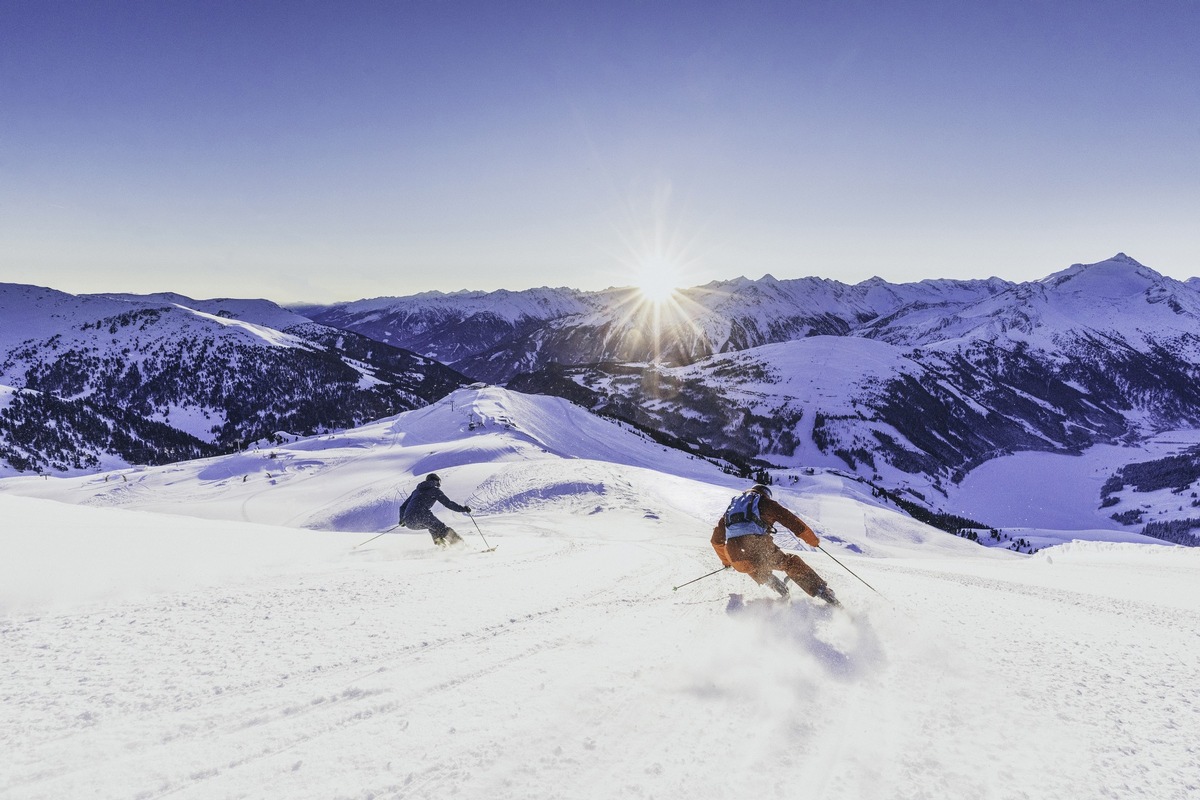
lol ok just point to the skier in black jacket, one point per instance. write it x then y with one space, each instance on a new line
416 512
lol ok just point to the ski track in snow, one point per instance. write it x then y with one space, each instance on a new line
563 668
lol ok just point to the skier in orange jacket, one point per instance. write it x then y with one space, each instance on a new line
743 541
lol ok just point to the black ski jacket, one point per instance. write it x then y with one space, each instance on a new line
422 499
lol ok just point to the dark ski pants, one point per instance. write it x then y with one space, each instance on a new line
758 556
443 535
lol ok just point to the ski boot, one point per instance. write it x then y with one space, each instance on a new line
826 594
449 538
779 586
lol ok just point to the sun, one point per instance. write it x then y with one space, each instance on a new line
656 311
657 281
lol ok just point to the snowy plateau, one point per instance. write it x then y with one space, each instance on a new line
202 593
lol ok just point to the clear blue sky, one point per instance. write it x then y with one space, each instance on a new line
329 151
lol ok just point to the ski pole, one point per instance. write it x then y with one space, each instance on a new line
702 577
481 536
843 566
376 536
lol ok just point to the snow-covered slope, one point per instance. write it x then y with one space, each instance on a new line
455 326
262 313
483 442
884 411
1117 299
206 654
106 380
951 378
33 312
503 453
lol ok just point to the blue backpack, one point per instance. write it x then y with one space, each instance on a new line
742 519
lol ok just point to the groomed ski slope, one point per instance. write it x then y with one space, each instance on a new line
225 651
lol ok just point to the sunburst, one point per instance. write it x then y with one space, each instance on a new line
656 307
657 280
657 262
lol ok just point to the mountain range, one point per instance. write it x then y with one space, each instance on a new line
99 381
909 386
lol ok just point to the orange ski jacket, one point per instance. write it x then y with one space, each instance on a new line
771 513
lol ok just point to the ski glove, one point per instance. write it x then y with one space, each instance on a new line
466 509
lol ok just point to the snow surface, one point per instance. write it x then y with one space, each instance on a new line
231 650
1051 490
818 375
34 312
268 336
1116 297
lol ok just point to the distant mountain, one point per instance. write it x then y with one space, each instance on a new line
453 327
102 380
1114 298
922 394
495 336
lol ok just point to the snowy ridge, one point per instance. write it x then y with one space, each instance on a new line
450 327
270 336
108 380
485 433
1118 296
511 306
259 312
493 336
34 312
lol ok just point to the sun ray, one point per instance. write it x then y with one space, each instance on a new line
657 279
657 262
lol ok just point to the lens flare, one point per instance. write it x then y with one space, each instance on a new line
653 305
657 280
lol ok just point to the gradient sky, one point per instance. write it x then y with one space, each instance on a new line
337 150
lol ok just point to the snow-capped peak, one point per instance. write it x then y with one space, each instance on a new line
1116 277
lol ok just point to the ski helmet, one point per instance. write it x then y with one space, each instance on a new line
761 489
433 478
